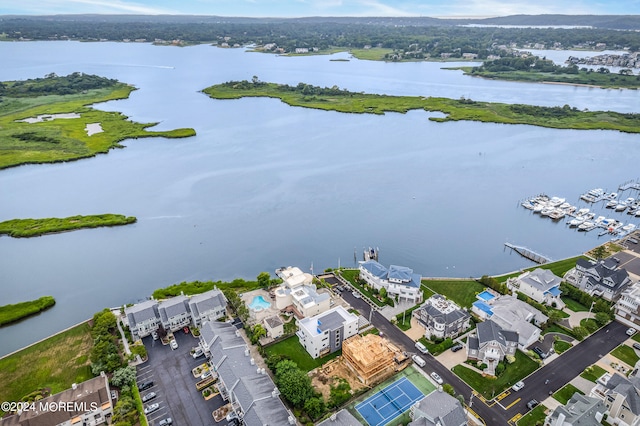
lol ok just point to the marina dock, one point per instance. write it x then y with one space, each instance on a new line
529 254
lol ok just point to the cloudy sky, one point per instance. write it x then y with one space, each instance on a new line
295 8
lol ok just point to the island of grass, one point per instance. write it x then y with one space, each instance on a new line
533 69
12 313
48 120
23 228
336 99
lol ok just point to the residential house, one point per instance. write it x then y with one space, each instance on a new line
603 278
253 396
491 344
512 314
627 308
442 318
274 326
541 285
143 318
297 290
88 403
579 410
438 409
396 280
174 313
324 333
621 396
208 306
341 418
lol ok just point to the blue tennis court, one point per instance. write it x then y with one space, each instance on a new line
389 402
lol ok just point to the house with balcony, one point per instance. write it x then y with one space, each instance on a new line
88 404
207 306
398 281
442 318
298 291
621 397
324 333
174 313
253 396
437 409
603 279
579 410
491 344
627 308
143 318
541 285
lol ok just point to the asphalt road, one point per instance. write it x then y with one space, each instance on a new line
559 372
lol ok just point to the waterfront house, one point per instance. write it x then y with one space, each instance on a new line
442 318
88 403
490 344
299 292
621 397
603 278
143 318
324 333
437 409
174 313
396 280
207 306
627 308
579 410
541 285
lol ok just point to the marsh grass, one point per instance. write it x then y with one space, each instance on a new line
22 228
18 311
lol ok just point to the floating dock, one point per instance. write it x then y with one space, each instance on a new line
629 185
529 254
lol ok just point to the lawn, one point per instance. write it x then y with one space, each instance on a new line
561 346
55 363
18 311
636 337
463 292
534 417
555 328
350 275
293 350
564 394
626 354
592 373
559 268
522 367
574 305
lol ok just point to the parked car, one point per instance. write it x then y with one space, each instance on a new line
165 422
148 397
186 330
517 386
532 404
435 376
540 352
151 408
145 385
356 294
197 353
154 334
456 347
205 375
631 331
636 346
174 344
422 348
419 360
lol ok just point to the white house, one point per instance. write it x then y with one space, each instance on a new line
541 285
207 306
603 278
174 313
627 308
396 280
274 326
324 333
298 290
442 318
143 318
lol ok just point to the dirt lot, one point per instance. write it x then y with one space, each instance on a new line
323 377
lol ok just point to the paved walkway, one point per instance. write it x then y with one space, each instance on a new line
391 311
576 317
125 342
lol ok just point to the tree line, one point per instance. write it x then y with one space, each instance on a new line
52 84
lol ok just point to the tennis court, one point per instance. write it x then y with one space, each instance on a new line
389 402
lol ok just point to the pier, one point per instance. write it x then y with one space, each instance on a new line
629 185
529 254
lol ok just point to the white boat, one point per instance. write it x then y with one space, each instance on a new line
582 212
576 221
611 196
538 207
629 227
611 204
528 205
556 201
621 207
564 206
590 215
571 209
599 220
629 200
547 211
593 195
586 226
557 214
637 213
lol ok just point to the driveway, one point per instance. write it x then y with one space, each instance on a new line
174 383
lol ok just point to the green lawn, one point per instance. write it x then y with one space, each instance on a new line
18 311
563 395
555 328
626 354
292 348
463 292
561 346
636 337
534 417
351 275
24 228
593 372
574 305
559 268
489 388
54 363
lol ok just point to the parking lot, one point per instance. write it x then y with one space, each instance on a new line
174 384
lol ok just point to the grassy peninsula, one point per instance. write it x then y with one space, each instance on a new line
18 311
23 228
53 139
335 99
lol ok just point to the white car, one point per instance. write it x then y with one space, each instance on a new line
151 408
435 376
197 353
205 375
356 294
517 386
174 344
148 396
419 360
631 331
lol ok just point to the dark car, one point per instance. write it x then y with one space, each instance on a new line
456 347
636 346
540 352
145 385
532 404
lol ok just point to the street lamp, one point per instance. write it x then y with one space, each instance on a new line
590 308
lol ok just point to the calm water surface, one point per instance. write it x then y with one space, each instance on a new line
264 185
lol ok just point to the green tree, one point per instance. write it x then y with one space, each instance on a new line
295 386
264 279
580 332
339 394
315 407
601 318
554 317
599 252
123 376
448 389
383 293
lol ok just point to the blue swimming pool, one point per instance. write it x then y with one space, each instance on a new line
486 296
258 303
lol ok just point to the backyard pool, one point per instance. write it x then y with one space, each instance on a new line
258 304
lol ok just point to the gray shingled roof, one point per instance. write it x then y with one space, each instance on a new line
448 317
207 301
331 321
141 312
441 409
342 418
172 307
488 331
628 388
541 279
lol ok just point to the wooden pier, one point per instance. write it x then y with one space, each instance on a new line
529 254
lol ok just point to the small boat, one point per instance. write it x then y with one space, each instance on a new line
539 207
582 212
611 204
637 214
621 207
590 215
571 209
611 196
599 220
528 205
586 226
557 214
593 195
576 221
547 211
564 206
556 201
629 227
629 200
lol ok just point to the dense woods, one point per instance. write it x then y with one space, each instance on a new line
52 84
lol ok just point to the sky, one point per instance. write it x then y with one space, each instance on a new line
299 8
